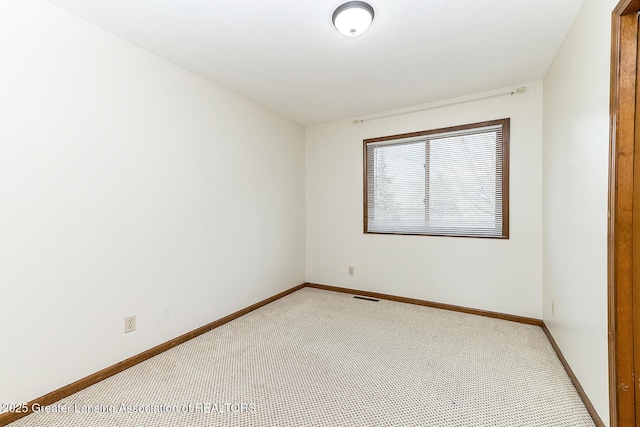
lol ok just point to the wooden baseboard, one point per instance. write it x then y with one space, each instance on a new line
585 399
485 313
68 390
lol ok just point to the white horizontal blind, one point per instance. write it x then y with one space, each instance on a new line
447 183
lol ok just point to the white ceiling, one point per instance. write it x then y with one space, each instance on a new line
287 56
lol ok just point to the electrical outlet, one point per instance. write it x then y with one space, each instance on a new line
553 308
129 324
351 271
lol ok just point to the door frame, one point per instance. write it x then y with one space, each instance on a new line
623 236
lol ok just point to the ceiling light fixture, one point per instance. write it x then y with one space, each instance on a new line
353 18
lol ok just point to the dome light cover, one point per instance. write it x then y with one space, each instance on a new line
353 18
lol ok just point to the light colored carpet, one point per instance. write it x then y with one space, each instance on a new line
320 358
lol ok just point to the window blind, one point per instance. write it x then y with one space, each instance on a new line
448 182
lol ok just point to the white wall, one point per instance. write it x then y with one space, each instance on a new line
128 186
499 275
576 160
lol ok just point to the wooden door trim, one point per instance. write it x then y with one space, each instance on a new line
623 104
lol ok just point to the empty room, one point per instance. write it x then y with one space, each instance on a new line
305 213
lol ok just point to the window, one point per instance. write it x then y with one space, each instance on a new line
441 182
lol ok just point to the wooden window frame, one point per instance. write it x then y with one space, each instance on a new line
505 123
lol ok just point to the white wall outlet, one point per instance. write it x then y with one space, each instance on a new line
351 269
129 324
553 308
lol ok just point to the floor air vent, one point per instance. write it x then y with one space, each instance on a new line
366 298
